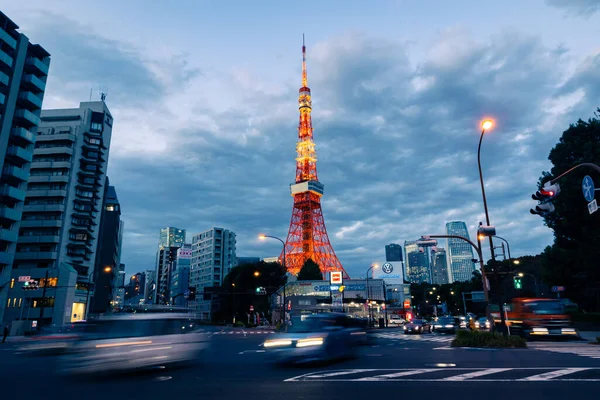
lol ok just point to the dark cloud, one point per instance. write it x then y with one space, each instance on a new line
584 8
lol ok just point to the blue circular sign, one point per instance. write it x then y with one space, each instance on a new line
587 185
387 268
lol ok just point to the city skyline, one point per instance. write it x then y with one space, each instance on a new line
371 82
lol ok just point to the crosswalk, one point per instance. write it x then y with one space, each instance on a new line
262 332
579 349
420 338
454 375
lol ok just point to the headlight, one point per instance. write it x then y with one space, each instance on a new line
309 342
277 343
437 326
449 326
476 324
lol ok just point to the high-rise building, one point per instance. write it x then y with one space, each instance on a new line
439 267
460 253
180 276
165 262
171 237
213 256
119 288
417 262
58 237
108 256
136 288
149 288
393 252
23 73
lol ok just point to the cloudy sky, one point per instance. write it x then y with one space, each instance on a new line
204 98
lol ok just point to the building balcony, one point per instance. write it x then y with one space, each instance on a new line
49 178
9 235
30 99
9 40
44 208
39 239
6 59
41 223
44 151
59 136
36 65
50 164
36 255
2 99
12 192
33 82
19 155
6 258
3 79
47 193
15 172
10 213
23 135
27 117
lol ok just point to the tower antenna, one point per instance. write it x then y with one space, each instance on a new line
103 93
304 75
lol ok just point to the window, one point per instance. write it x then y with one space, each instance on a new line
96 127
12 283
84 193
94 141
110 207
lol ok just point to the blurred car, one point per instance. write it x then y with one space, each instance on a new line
396 320
316 337
482 324
417 326
130 342
52 340
447 325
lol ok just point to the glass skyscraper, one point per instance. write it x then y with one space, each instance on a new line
460 253
171 237
417 263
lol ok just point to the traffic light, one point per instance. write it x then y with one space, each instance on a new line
192 295
545 196
257 290
518 282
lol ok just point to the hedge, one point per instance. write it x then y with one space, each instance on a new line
487 339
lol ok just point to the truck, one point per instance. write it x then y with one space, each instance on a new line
536 317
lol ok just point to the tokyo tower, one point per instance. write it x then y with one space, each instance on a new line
307 237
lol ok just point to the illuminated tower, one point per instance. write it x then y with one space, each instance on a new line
307 237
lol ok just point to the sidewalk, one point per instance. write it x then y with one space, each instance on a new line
589 335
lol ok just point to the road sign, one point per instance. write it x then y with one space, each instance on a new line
588 188
336 278
24 278
558 288
592 206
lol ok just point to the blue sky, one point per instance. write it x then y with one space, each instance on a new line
204 98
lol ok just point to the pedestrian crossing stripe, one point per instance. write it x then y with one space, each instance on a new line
420 338
533 374
579 350
242 332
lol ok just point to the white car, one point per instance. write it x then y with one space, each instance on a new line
396 320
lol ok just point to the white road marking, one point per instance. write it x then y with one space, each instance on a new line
338 373
396 375
553 374
476 374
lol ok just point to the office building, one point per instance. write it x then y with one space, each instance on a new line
171 237
417 262
58 237
393 252
439 267
23 73
165 260
180 276
135 289
149 287
460 253
213 256
118 299
108 255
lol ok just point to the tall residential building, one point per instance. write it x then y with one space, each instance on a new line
165 262
108 256
460 253
439 267
23 73
171 237
59 232
180 276
213 256
393 252
149 288
417 262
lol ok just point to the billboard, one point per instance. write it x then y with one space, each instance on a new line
184 253
390 271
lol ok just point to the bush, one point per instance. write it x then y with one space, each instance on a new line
487 339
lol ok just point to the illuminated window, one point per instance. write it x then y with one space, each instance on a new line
110 208
20 300
12 283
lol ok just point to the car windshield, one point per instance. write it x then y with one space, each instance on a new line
446 321
417 321
546 307
315 324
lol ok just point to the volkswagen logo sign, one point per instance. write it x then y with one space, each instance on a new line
387 268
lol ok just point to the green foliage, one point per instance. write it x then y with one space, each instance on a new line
572 260
487 339
310 271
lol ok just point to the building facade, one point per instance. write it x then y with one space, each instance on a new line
180 276
23 72
213 256
58 237
165 263
439 267
393 252
459 253
417 263
171 237
108 256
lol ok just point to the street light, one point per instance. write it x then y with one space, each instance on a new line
283 306
233 302
107 269
485 126
256 274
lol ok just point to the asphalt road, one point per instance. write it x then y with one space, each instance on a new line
392 366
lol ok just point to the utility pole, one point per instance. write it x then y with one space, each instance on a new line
43 300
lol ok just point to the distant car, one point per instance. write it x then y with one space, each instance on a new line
447 325
482 324
396 320
316 337
417 326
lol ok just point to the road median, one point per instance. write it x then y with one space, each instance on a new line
487 339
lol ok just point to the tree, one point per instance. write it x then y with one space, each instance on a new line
572 260
310 271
